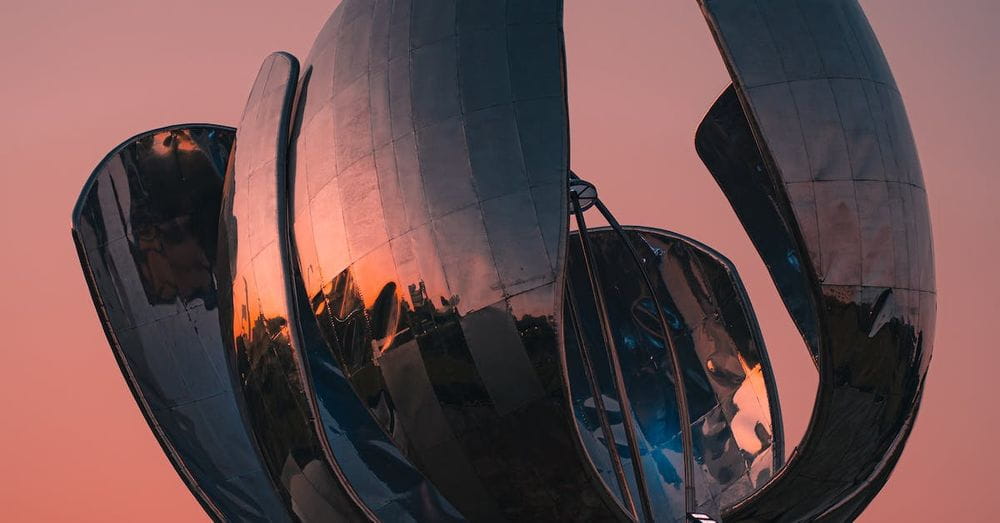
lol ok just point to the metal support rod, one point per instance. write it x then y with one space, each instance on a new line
684 415
602 314
602 414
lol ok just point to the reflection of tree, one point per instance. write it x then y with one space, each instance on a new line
538 334
172 263
267 370
424 315
357 336
174 197
274 395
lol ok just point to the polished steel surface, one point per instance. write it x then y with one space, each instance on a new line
254 306
324 448
145 228
816 121
727 376
429 217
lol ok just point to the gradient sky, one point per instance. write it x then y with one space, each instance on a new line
79 77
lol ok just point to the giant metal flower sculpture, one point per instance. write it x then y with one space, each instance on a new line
366 303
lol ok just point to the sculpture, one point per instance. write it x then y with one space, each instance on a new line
365 303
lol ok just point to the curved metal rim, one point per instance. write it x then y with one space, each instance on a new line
89 183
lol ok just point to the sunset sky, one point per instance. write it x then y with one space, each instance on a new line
79 77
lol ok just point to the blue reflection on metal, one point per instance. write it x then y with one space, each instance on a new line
793 260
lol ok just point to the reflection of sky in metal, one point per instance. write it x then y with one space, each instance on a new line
728 400
427 227
427 172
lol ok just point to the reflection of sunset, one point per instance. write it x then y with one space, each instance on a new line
369 287
245 310
750 413
167 142
320 307
271 291
373 272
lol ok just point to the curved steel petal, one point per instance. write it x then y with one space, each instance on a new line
730 387
815 129
255 302
429 214
145 228
328 453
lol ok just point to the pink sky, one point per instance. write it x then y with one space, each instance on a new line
78 77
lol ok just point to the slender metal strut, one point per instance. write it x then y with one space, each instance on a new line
602 414
590 264
589 193
687 439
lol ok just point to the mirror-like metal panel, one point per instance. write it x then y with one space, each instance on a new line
429 220
730 387
255 305
145 228
329 455
842 180
727 148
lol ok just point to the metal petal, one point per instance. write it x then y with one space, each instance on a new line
145 228
842 192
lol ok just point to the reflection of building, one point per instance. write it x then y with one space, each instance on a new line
421 318
378 313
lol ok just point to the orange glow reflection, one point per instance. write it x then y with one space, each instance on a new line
167 142
751 424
